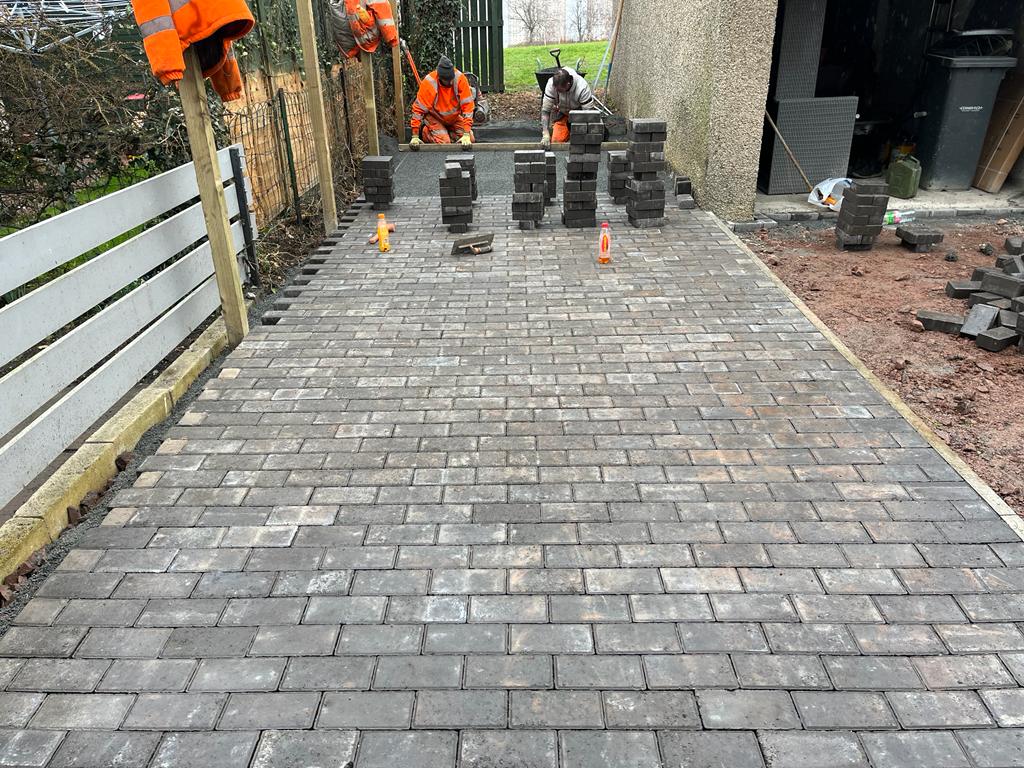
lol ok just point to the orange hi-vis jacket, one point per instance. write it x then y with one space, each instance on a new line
168 27
452 106
359 25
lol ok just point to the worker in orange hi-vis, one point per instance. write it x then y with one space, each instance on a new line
443 110
168 27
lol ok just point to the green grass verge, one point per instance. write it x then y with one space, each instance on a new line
521 62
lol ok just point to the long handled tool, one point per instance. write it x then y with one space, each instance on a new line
810 187
408 57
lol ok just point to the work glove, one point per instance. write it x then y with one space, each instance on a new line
465 140
545 139
415 143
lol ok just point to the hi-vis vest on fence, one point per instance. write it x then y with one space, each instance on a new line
168 27
360 24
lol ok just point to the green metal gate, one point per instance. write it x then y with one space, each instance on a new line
479 43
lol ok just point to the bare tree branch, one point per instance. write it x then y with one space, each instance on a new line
532 14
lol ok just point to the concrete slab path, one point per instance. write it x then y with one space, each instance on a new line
522 510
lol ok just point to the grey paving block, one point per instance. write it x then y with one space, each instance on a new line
461 709
792 749
710 749
894 750
732 710
266 711
521 748
422 749
636 749
994 749
939 709
365 710
27 748
194 750
175 712
83 749
103 711
556 709
305 749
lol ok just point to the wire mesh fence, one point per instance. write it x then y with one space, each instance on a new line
278 139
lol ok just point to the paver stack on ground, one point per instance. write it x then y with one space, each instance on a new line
530 180
378 181
618 175
684 193
645 199
579 197
456 197
862 214
551 178
468 163
919 238
995 302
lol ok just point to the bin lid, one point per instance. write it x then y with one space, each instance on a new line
974 62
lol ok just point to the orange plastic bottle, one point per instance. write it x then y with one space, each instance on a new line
383 242
604 248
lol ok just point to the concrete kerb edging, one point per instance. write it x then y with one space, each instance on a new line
982 488
42 518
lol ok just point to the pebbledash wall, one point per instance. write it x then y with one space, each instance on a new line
703 65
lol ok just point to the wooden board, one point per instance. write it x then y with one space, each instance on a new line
47 309
33 251
45 375
32 449
1005 139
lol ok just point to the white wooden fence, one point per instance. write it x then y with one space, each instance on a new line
52 393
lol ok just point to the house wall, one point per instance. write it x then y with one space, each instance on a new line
704 67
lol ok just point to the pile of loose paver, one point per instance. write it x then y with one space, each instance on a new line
995 301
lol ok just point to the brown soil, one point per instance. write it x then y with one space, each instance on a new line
525 105
973 399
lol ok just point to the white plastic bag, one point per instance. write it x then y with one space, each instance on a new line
829 193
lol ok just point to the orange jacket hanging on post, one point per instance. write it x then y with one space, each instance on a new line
168 27
359 25
452 106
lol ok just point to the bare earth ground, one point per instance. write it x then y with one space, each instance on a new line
972 398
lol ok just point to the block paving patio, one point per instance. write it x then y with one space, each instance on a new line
521 510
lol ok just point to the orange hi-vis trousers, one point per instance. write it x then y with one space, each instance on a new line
560 131
435 131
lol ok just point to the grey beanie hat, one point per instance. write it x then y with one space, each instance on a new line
445 68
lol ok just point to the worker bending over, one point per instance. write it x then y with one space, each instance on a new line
443 110
565 91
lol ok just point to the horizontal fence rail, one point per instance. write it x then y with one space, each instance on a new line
110 320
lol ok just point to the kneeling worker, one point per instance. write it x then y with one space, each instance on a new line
565 91
443 110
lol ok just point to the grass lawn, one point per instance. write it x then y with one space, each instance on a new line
521 62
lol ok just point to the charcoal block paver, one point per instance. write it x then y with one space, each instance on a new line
522 510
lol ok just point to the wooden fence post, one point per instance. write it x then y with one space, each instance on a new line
317 117
370 102
396 73
192 89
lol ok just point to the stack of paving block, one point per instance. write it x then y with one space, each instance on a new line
530 180
468 163
579 196
684 193
995 301
618 175
456 198
645 191
378 181
551 178
862 214
918 237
